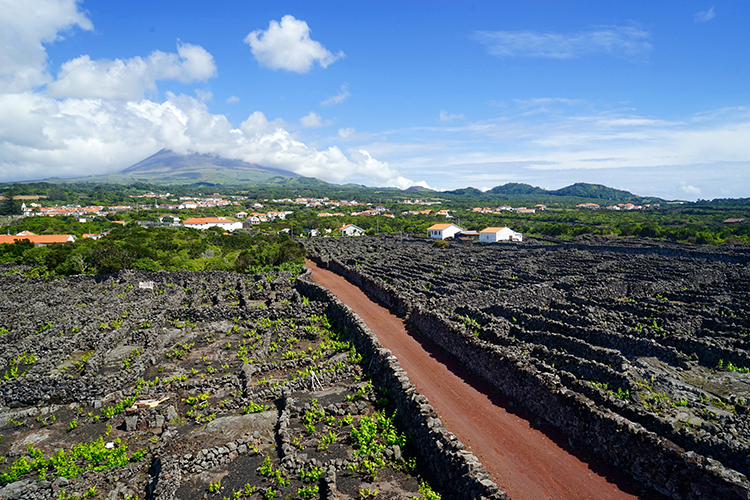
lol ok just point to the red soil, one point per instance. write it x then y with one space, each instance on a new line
527 461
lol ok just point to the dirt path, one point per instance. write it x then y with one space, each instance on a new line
527 462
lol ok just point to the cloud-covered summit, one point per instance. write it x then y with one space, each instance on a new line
102 115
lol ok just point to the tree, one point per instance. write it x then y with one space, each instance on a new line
10 206
57 194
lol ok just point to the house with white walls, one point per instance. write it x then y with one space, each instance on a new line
495 234
443 231
351 230
206 222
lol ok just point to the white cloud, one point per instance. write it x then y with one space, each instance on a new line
704 16
342 96
690 190
346 133
644 154
233 99
287 45
449 117
41 137
617 41
94 118
312 120
204 95
131 79
25 26
546 101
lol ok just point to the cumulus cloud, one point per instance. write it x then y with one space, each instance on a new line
704 16
130 79
688 189
41 136
287 45
24 29
449 117
312 120
346 133
94 118
618 41
233 99
342 96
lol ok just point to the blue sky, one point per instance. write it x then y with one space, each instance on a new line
651 97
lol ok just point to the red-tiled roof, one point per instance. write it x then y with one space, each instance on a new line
38 239
208 220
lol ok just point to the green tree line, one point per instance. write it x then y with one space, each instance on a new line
155 249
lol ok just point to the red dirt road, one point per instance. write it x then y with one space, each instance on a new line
527 463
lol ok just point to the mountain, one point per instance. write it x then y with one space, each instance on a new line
169 168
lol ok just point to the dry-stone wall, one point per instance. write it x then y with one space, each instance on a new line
636 350
456 468
207 385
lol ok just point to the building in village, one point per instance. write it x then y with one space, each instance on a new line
351 230
443 231
495 234
206 222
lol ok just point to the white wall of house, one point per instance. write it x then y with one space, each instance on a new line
352 230
504 234
227 226
448 232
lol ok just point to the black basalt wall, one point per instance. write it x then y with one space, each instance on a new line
652 460
451 465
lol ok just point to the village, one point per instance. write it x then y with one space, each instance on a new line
167 210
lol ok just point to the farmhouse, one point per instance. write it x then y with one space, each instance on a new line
206 222
495 234
443 231
351 230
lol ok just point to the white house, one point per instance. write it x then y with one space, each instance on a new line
495 234
351 230
206 222
169 219
443 231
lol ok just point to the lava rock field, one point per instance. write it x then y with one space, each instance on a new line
188 385
654 333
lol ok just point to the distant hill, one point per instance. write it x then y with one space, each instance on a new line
583 190
576 193
169 168
514 188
